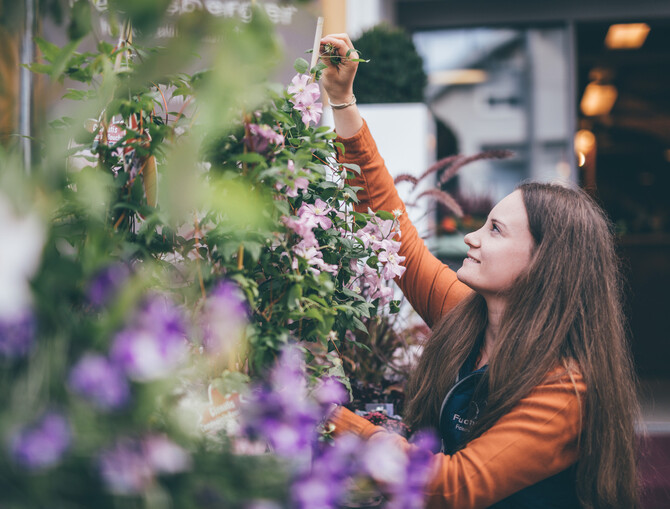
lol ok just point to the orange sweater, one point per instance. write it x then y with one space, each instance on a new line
538 438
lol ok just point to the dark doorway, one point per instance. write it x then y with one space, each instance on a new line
625 162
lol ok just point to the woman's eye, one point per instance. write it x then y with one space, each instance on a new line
494 228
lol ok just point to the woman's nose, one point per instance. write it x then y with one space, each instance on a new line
471 239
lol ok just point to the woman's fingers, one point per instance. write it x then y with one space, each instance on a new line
341 43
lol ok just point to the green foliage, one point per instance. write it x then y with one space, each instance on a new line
162 171
395 73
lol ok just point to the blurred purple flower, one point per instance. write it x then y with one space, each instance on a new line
17 335
324 485
280 410
164 456
154 344
260 137
130 465
409 493
106 283
330 391
42 445
223 318
124 469
100 382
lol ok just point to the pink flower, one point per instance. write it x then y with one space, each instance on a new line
295 183
261 136
314 258
392 267
316 213
384 294
302 90
303 228
310 112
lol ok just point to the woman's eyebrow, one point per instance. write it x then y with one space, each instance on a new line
498 222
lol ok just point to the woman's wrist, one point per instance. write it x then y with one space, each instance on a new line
340 98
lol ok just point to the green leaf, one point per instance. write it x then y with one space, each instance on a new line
386 216
320 66
353 167
48 49
251 157
294 296
372 262
358 324
300 65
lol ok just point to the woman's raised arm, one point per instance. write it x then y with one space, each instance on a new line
429 285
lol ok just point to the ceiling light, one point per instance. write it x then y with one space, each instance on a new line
626 36
585 141
457 77
598 99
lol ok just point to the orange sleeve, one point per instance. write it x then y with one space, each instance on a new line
537 439
429 285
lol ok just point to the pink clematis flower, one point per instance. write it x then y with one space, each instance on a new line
302 227
295 183
261 136
302 90
392 267
317 213
310 112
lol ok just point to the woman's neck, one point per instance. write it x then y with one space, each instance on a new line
495 310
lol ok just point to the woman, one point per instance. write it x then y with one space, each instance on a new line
527 375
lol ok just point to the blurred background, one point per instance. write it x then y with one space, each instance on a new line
577 89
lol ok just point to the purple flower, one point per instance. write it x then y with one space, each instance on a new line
223 318
410 491
316 492
261 136
280 411
17 335
131 465
154 344
100 382
124 469
317 213
42 445
330 391
104 286
164 456
325 484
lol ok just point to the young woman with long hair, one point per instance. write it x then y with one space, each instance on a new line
527 376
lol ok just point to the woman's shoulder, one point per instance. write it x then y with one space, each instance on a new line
565 376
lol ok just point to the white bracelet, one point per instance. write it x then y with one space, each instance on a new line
344 105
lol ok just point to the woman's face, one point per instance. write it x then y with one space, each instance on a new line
500 250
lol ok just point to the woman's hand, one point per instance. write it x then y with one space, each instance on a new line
338 78
338 82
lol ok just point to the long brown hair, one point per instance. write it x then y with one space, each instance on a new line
564 309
